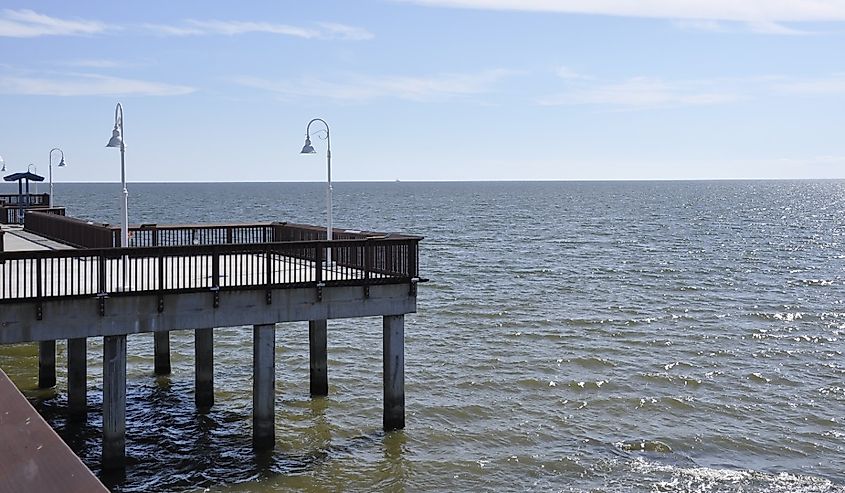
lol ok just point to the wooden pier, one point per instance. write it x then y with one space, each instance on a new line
63 278
34 458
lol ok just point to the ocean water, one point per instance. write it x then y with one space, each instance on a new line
618 336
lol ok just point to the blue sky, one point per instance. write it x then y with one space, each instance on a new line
427 89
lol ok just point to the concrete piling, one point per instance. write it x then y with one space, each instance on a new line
317 344
161 348
77 378
394 372
46 364
204 367
264 386
114 402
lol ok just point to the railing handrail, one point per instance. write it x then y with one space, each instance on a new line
180 250
75 273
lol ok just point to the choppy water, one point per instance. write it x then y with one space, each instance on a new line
679 336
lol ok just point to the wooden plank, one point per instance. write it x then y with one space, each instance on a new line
33 457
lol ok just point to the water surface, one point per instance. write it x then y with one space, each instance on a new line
625 336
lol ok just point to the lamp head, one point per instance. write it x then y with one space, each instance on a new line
116 140
62 163
2 163
308 148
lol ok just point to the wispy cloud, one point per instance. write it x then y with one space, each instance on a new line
757 16
642 92
759 27
360 88
567 73
834 84
25 23
87 85
193 27
727 10
94 63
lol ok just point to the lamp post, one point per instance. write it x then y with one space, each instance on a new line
29 168
117 141
61 165
309 149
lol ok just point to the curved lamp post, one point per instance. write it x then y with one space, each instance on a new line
29 168
117 141
309 149
61 165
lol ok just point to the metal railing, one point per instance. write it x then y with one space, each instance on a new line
42 199
48 274
79 233
197 234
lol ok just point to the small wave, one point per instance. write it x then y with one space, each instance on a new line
591 362
707 479
812 282
644 446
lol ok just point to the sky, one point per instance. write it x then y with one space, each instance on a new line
419 90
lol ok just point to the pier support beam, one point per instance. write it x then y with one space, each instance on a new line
394 372
263 386
77 378
204 366
161 348
114 402
317 343
46 364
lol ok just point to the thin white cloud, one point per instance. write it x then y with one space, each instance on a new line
193 27
725 10
25 23
701 25
94 63
834 84
768 27
343 31
358 88
637 93
642 92
567 73
87 85
759 27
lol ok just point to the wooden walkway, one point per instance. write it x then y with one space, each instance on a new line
32 456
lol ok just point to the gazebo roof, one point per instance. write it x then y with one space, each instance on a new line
23 176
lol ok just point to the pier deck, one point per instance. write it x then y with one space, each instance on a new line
62 278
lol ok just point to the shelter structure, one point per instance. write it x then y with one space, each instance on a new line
14 206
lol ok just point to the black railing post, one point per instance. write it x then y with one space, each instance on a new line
215 269
39 288
318 263
160 271
101 274
368 257
413 258
269 264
